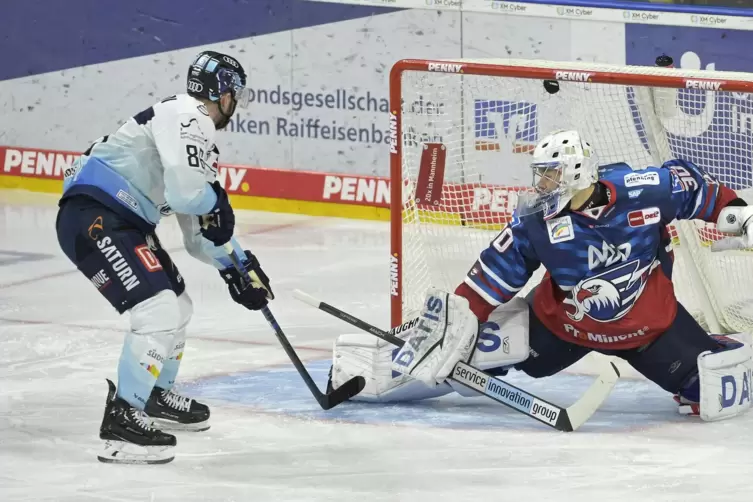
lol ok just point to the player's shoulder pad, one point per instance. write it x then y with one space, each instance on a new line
188 113
191 108
527 227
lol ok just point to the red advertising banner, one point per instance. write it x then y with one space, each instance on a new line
475 202
237 180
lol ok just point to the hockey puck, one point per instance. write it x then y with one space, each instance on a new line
664 61
551 86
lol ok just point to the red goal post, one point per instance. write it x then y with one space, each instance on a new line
455 171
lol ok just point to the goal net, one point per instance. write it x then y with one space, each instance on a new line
462 134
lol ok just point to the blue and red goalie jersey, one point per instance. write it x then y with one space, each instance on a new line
609 269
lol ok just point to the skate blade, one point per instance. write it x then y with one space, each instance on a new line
170 426
689 409
120 452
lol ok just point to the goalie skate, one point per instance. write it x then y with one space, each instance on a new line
129 437
172 412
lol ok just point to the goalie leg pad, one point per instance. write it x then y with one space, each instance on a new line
503 340
445 334
448 332
371 357
725 380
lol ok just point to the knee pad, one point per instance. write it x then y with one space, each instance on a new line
159 315
185 311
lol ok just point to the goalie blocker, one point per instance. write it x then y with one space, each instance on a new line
710 376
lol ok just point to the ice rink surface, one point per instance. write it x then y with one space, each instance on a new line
269 440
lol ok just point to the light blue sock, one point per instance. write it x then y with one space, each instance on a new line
139 367
170 369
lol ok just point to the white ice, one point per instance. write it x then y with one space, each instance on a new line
269 441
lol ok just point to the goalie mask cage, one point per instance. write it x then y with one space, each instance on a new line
461 136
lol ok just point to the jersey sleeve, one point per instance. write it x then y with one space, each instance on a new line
695 194
182 138
202 249
501 271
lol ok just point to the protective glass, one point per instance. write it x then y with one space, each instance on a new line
242 97
232 81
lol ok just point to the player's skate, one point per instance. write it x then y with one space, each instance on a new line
686 406
129 438
171 411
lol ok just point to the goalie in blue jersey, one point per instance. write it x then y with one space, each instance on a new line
601 232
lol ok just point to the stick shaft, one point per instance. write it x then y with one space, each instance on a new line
326 401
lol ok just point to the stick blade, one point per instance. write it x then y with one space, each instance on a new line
306 298
341 394
579 412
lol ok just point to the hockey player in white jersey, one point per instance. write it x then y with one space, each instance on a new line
161 161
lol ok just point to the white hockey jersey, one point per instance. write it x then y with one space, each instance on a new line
159 162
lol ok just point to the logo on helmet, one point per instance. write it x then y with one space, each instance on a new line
232 62
610 295
201 61
195 86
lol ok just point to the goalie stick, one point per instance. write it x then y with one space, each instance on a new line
326 401
563 419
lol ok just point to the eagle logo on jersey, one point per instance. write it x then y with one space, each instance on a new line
609 295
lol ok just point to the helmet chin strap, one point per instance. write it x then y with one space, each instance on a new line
225 117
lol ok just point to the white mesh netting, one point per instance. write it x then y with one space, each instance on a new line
487 125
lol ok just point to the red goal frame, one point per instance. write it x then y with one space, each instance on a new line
565 72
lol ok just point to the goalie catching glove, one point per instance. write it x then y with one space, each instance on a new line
736 220
446 333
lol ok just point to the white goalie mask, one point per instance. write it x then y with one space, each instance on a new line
563 164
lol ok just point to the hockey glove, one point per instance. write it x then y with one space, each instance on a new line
253 296
218 225
737 220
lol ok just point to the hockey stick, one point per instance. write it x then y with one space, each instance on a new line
326 401
563 419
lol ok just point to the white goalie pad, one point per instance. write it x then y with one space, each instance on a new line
371 357
725 381
446 333
502 342
503 338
